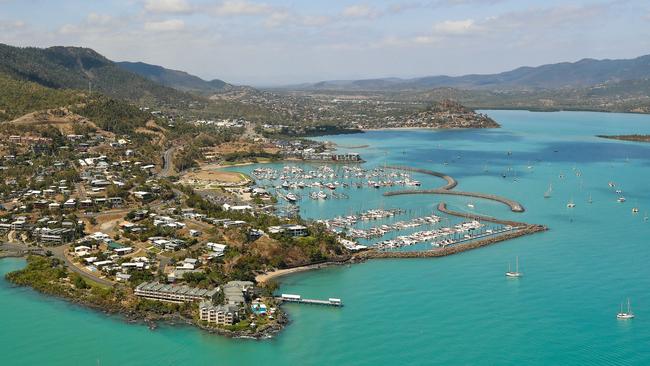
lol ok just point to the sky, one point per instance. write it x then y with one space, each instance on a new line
277 42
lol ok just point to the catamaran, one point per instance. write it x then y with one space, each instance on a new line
516 272
625 315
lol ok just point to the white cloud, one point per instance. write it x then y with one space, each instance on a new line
450 27
98 19
361 11
241 7
168 6
165 25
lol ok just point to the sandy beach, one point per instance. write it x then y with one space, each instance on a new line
265 277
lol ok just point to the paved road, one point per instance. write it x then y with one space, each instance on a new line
59 253
168 162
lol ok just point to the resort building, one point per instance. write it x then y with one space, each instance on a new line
218 314
346 157
55 236
174 293
235 292
292 230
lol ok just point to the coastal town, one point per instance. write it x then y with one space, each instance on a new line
180 230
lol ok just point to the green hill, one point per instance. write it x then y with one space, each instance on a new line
176 79
19 97
79 68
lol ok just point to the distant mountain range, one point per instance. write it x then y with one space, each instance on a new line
584 73
176 79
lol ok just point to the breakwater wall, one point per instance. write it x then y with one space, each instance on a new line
451 182
442 207
447 189
450 250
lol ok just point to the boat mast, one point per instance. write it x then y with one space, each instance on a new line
517 265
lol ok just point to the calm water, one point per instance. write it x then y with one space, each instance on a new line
458 310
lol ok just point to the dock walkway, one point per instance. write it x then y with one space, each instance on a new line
337 303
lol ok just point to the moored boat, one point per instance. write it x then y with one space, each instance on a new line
515 273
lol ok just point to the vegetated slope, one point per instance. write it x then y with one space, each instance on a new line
19 97
176 79
82 68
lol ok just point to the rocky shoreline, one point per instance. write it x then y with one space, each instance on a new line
634 138
131 315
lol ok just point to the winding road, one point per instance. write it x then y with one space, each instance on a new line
168 162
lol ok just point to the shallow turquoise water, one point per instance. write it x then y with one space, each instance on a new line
457 310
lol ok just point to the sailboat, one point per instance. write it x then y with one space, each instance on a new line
516 272
645 217
625 315
590 200
548 192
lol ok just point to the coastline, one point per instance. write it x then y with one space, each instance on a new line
426 128
132 315
267 276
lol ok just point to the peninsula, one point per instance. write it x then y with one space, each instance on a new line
118 198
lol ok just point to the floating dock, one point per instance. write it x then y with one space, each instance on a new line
298 299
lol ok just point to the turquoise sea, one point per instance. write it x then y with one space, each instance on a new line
457 310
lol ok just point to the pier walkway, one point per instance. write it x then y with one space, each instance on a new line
300 300
447 189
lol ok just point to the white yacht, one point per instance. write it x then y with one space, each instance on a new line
621 199
321 195
625 315
516 272
291 197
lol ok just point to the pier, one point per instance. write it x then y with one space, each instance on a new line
298 299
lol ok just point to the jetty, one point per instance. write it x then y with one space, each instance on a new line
299 299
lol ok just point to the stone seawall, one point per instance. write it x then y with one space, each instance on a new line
455 249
